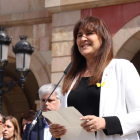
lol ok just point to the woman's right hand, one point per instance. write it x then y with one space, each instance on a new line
56 130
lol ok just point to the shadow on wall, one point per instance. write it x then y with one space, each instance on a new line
17 100
136 61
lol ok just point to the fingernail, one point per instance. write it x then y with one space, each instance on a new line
58 125
63 127
80 118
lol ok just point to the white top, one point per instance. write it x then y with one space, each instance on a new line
120 96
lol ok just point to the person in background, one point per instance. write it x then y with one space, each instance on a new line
26 118
11 129
104 90
54 103
2 121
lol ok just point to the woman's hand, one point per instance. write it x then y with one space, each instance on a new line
56 130
93 123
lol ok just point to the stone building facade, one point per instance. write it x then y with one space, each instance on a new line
49 26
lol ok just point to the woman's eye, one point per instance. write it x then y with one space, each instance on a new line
90 33
79 35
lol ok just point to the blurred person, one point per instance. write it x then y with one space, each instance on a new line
2 121
53 104
26 118
11 129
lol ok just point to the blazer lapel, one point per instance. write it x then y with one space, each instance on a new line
34 133
104 90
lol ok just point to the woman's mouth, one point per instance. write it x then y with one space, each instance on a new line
4 134
87 45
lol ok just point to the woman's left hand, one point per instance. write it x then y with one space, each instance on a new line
93 123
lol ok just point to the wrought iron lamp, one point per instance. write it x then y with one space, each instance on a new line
23 51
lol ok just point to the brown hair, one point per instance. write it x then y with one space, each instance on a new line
16 127
28 115
103 57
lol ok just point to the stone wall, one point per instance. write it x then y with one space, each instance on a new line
20 6
62 40
27 17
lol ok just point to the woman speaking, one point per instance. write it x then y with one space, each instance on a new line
104 90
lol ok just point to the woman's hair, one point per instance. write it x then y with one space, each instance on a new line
29 116
102 58
16 127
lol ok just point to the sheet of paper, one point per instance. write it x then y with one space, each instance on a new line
69 117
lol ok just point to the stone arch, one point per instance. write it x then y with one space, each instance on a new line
127 39
40 68
39 75
13 100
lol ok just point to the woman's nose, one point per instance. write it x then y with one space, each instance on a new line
4 128
84 37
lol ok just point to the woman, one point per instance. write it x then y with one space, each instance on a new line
11 129
26 118
105 90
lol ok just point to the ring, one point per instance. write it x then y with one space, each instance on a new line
54 133
89 127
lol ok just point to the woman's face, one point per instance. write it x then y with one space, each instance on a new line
8 132
88 43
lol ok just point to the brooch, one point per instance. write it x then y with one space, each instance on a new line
101 84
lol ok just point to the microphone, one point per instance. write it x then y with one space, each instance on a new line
33 123
68 68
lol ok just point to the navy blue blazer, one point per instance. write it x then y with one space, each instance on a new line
33 133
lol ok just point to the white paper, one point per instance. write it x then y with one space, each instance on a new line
70 118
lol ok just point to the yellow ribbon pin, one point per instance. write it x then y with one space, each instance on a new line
100 85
